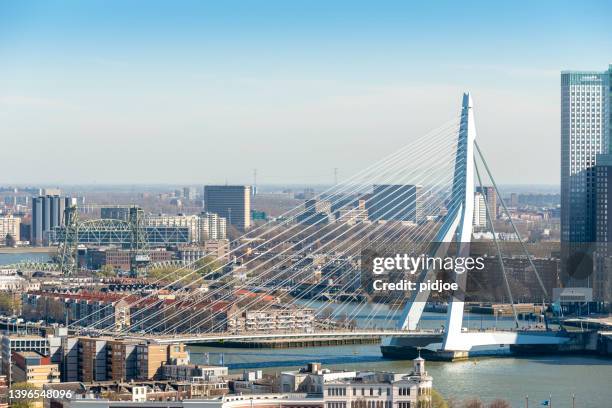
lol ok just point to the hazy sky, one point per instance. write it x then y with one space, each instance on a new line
203 92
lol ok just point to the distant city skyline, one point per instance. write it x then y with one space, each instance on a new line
203 93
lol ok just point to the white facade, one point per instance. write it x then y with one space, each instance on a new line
272 319
212 226
9 225
12 283
381 390
192 222
201 227
480 210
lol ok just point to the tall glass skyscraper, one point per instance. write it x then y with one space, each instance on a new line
585 133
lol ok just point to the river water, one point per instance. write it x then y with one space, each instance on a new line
590 378
12 258
509 378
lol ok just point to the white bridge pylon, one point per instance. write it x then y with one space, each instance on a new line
457 226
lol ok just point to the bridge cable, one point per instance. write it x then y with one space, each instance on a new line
300 270
499 253
501 200
373 167
356 243
260 265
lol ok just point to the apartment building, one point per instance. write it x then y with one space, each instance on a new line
11 283
86 307
108 359
49 346
274 318
218 248
122 359
9 226
152 357
34 368
585 137
93 359
212 226
193 372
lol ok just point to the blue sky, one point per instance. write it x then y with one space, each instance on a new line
171 92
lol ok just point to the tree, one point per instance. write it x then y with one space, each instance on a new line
23 402
9 241
233 233
473 403
206 265
171 274
107 271
7 303
500 403
437 400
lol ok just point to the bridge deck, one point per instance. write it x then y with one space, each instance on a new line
485 336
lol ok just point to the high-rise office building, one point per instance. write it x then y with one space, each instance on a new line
585 133
397 202
602 271
230 202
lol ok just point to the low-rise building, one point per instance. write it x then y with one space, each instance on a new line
193 372
46 346
34 368
311 378
254 382
381 389
121 259
353 215
217 248
152 357
273 318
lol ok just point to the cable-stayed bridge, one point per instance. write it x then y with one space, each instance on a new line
423 197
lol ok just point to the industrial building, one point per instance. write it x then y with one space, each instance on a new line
47 214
